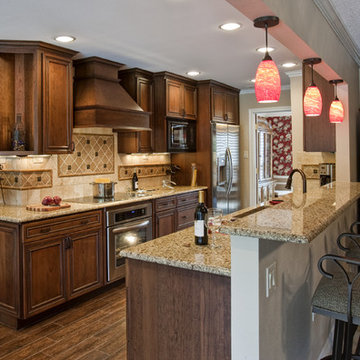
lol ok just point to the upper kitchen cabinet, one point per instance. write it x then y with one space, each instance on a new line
224 102
36 92
139 84
175 96
319 133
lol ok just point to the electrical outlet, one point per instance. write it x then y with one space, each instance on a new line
271 280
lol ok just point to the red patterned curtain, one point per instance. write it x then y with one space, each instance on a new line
282 144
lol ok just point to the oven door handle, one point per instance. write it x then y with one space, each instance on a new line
130 227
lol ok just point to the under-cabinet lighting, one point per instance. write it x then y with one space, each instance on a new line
263 49
231 26
65 38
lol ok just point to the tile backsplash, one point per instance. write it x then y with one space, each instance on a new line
78 184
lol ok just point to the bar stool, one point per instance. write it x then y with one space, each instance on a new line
353 247
338 296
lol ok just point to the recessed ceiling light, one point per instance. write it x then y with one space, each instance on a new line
65 38
263 49
230 26
289 64
253 80
193 73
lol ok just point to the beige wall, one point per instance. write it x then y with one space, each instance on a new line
247 102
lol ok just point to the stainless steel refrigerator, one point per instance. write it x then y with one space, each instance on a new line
225 167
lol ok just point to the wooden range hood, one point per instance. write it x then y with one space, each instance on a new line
100 100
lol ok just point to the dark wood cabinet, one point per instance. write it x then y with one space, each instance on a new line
57 104
37 86
180 100
48 262
174 213
175 97
319 133
45 276
85 266
224 104
138 83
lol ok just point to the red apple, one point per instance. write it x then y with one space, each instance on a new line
47 200
57 200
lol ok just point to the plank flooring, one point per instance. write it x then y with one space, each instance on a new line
92 330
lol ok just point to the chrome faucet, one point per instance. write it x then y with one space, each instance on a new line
289 180
168 183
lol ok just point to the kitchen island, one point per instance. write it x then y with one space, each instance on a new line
286 240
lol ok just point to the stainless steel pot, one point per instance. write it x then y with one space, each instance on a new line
103 190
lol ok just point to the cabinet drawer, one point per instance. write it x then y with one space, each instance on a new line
185 217
165 203
188 199
60 225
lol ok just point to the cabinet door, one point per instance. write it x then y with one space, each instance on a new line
44 271
165 222
217 105
231 108
57 104
185 217
145 101
174 99
190 102
85 262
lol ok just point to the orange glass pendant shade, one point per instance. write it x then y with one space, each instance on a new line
267 82
312 101
336 112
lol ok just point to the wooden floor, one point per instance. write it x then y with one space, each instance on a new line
92 330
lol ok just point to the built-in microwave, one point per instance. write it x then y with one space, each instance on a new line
181 135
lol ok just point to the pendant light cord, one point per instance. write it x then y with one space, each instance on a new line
267 56
312 75
336 98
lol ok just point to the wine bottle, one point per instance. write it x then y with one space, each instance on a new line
135 182
201 235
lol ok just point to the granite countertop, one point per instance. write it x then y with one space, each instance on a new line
19 214
300 217
179 250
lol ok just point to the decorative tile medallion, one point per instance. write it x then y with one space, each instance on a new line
26 179
94 154
311 171
142 171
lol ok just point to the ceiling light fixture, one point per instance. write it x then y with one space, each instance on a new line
289 64
336 112
231 26
312 97
65 38
267 79
263 49
193 73
253 80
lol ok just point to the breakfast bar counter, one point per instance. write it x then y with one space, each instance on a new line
270 314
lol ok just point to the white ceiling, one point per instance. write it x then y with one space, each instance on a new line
156 35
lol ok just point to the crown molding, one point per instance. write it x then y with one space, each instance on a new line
336 24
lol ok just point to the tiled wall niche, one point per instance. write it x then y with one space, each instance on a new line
78 186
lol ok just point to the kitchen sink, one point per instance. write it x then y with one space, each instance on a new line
250 212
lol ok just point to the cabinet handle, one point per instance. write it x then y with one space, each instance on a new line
226 116
184 217
68 243
84 222
72 146
45 230
183 112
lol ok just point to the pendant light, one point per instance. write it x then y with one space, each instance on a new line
267 79
312 97
336 112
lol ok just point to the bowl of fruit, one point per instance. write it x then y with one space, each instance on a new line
51 201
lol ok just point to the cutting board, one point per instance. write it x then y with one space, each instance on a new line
40 207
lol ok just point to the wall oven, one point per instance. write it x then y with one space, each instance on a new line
181 135
126 226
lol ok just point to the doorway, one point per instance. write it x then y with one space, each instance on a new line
270 152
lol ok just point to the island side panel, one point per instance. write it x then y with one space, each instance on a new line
174 313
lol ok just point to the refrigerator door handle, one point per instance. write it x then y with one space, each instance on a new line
231 170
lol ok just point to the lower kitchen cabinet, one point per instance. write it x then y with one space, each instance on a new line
49 262
174 213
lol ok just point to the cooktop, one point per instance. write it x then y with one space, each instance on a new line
117 197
